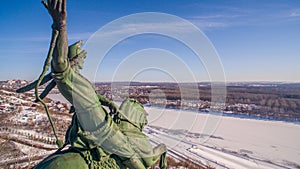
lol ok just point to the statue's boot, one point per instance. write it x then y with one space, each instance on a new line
151 158
159 149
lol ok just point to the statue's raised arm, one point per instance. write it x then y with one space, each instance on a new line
58 11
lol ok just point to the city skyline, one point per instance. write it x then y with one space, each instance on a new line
256 41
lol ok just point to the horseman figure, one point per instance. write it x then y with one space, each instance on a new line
97 138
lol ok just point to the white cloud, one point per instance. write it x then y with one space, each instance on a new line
80 36
295 13
205 25
216 16
26 39
129 29
47 38
218 20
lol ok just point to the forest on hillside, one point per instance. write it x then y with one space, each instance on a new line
277 100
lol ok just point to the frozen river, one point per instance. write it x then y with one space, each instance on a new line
234 142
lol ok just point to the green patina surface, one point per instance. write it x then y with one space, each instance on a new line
98 139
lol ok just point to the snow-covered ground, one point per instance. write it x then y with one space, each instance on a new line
234 142
57 97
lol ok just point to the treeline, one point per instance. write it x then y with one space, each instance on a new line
270 98
278 99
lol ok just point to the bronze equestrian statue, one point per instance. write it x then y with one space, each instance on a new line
97 138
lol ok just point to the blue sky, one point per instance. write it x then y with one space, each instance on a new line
255 40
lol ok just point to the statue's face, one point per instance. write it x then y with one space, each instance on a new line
78 61
81 62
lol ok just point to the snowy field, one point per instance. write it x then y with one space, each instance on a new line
234 142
